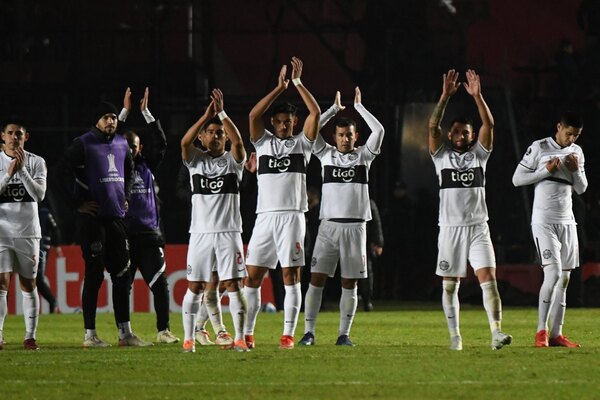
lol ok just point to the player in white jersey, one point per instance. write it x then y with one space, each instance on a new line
345 209
215 230
555 166
278 233
22 186
464 234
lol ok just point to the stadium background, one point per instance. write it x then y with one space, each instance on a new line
59 58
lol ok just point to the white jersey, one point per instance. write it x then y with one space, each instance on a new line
345 191
282 172
19 197
461 177
215 192
552 202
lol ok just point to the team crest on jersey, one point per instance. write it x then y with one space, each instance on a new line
289 143
222 162
469 157
444 265
547 254
352 156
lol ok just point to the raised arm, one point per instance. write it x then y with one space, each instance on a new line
311 123
449 87
332 111
257 125
155 153
187 143
486 132
233 134
375 139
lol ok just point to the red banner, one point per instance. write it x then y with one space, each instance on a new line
65 277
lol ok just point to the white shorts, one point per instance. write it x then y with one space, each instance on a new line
20 255
222 252
277 236
343 242
556 244
458 245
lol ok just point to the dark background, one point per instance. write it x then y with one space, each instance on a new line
59 58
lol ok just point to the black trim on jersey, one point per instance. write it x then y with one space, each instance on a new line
559 180
227 183
356 174
531 169
273 165
16 193
470 178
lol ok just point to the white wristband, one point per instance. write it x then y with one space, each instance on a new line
148 116
296 81
222 115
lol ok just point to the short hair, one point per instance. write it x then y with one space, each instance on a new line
130 136
343 122
215 120
571 118
284 108
462 120
13 121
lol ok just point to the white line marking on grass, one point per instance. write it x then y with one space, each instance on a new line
336 383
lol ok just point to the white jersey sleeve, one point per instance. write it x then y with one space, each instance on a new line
20 195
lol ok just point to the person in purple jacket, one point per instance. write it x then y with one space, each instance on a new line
146 242
95 176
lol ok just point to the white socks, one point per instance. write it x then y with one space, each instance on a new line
3 310
237 307
348 303
189 309
31 311
312 305
124 329
213 306
559 304
551 276
492 304
201 317
291 308
253 299
451 305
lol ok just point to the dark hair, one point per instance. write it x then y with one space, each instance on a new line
462 120
571 118
13 121
284 108
343 122
130 135
215 120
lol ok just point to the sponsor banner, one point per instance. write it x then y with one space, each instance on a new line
65 277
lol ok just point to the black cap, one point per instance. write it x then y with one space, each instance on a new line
104 108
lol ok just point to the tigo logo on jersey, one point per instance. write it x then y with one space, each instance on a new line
214 186
466 178
280 164
347 175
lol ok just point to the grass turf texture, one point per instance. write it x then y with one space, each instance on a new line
401 353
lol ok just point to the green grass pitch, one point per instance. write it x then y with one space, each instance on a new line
401 353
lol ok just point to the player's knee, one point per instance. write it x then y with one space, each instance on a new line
564 279
552 274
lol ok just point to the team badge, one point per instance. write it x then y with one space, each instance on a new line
313 262
352 156
222 162
547 254
289 143
189 269
443 265
469 157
